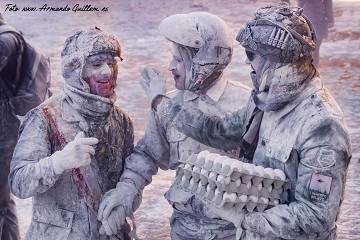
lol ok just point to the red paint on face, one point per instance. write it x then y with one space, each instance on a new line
99 72
99 85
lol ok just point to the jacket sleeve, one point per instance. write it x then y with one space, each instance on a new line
325 152
31 170
151 152
222 132
129 136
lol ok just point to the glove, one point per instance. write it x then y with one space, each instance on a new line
115 206
75 154
153 83
231 214
114 222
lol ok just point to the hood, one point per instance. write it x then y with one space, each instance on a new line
79 47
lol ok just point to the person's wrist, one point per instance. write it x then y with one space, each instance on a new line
157 100
58 169
130 181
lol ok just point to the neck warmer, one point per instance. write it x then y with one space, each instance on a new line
90 106
276 85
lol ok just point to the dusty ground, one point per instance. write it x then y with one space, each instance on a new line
135 23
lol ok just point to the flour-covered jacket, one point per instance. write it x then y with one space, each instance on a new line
162 146
307 139
59 211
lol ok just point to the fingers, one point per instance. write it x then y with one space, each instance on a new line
107 228
79 135
144 73
85 160
151 73
112 224
106 206
107 210
86 141
87 149
80 138
116 219
158 73
144 83
102 230
102 206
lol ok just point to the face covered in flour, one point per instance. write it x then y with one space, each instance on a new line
99 72
279 42
177 68
201 49
89 62
253 59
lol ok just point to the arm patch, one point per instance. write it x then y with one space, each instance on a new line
319 188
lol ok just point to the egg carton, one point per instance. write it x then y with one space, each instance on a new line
220 171
222 181
223 199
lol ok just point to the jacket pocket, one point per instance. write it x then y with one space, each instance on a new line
50 223
175 138
285 158
278 151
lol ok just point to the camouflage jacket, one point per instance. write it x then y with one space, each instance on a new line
162 146
59 211
307 139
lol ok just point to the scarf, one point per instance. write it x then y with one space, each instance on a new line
276 85
90 106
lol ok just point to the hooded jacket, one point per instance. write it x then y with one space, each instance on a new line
59 210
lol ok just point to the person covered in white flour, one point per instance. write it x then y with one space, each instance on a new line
201 47
291 123
72 147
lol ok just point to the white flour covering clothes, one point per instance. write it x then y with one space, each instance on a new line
307 139
205 46
291 123
162 146
59 210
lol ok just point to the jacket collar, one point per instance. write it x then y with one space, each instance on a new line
313 87
214 92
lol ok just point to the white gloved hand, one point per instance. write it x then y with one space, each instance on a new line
153 83
115 206
114 222
231 215
75 154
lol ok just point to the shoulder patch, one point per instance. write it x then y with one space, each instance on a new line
326 158
319 188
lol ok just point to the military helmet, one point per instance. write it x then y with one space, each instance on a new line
279 33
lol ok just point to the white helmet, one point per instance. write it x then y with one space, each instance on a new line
210 41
